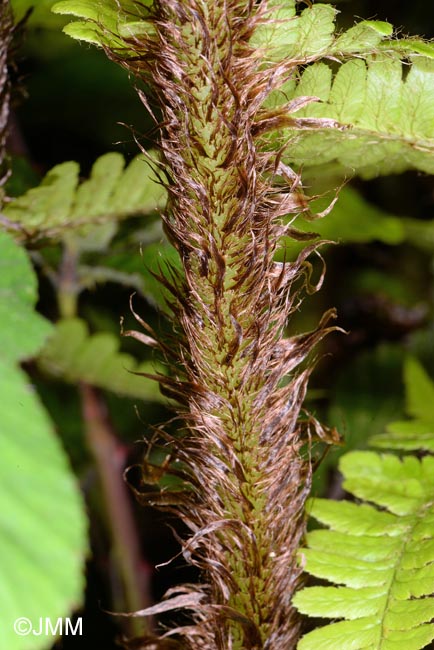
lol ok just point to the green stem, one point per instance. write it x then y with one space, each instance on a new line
68 286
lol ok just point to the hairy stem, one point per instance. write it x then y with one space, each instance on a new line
245 452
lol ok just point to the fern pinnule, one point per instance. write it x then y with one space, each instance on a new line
380 554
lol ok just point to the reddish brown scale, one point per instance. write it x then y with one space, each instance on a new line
247 471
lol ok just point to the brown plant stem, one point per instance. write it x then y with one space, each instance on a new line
109 456
245 449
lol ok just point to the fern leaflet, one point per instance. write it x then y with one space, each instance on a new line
380 554
103 24
417 433
373 115
61 204
385 121
73 355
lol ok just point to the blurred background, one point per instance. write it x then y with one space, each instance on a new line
71 104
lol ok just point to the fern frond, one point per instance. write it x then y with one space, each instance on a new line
311 34
60 204
417 433
72 354
373 115
103 24
379 99
384 111
379 553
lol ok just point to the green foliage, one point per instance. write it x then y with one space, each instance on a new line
74 356
23 331
60 204
382 552
375 110
363 400
383 119
42 520
372 115
312 34
417 433
352 219
104 25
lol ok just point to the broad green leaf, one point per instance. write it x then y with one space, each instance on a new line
382 552
418 433
60 205
22 330
74 356
42 517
